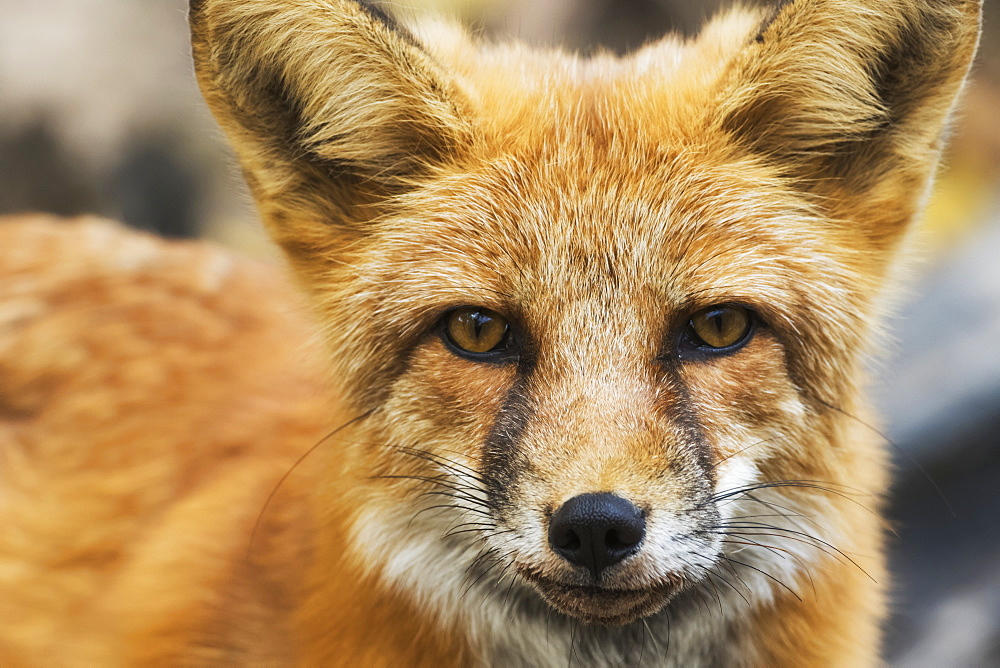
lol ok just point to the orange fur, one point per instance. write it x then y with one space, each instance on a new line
181 483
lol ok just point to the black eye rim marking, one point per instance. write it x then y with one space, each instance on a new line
691 347
505 352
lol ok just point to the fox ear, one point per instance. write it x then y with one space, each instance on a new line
332 108
850 97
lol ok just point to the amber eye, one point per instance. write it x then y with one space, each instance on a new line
476 330
720 326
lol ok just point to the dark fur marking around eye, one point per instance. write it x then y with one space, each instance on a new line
679 411
502 460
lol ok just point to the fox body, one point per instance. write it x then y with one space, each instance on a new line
581 375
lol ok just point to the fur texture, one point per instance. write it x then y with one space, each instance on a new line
177 474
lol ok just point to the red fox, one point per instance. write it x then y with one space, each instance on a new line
577 377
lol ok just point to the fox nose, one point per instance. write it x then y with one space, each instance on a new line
596 531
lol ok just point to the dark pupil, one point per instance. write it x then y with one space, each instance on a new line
717 320
479 320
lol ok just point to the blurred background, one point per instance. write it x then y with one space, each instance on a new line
99 113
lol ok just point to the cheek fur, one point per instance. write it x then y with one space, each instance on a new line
740 397
458 399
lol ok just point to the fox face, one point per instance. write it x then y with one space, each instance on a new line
597 387
599 321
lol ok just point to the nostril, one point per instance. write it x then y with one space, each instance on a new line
566 540
596 531
612 541
622 540
629 531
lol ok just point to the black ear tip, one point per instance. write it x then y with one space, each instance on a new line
773 12
386 19
377 13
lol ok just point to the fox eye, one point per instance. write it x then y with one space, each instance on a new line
475 330
720 327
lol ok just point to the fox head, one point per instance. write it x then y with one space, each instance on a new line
602 318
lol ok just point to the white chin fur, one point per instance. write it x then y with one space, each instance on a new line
408 550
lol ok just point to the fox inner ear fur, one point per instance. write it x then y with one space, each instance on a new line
330 105
838 94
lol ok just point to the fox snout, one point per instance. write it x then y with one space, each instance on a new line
596 531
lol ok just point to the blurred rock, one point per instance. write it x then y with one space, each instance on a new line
946 376
941 400
39 173
157 188
101 114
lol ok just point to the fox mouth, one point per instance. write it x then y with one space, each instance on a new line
603 605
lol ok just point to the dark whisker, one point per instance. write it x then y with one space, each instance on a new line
789 512
455 467
765 574
729 584
476 528
460 496
699 589
790 534
895 447
716 593
781 552
490 553
485 572
818 485
281 481
443 481
458 502
736 575
741 450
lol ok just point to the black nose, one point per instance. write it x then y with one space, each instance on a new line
596 531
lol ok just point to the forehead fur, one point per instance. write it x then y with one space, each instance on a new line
522 96
551 226
587 169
